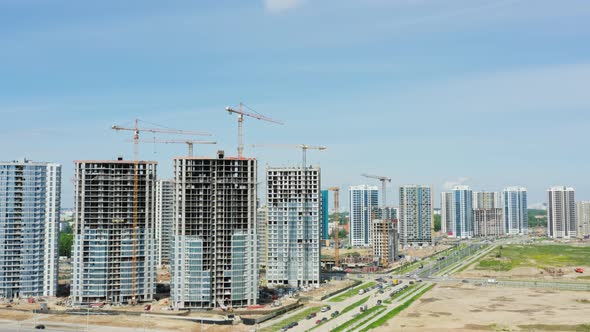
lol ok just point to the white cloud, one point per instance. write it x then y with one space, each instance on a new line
448 185
279 6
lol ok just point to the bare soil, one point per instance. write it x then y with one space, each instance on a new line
464 307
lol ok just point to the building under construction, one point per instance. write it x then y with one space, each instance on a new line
114 250
293 202
214 233
164 220
262 236
385 240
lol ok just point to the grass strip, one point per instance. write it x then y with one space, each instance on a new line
354 305
396 310
352 292
358 318
295 318
388 301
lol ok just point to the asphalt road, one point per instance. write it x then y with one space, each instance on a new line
29 325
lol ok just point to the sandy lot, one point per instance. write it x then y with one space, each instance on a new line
147 322
564 274
470 308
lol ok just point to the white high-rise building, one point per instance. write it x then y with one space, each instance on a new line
514 205
164 220
30 195
214 235
583 218
294 226
446 209
362 200
415 219
561 212
486 200
461 212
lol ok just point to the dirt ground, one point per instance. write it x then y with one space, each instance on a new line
147 322
529 273
330 287
424 251
471 308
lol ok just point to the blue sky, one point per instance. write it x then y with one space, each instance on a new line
489 93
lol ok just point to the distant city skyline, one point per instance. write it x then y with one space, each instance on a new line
469 92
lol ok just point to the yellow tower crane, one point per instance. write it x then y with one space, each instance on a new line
189 143
136 130
240 112
384 180
336 230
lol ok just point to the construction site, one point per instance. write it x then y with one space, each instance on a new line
114 260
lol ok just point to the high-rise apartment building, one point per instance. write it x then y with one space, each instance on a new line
415 217
583 218
114 229
461 212
293 200
385 239
514 205
561 212
164 220
215 260
325 217
362 200
486 200
446 209
488 222
30 195
262 236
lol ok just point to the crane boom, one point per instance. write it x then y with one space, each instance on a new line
189 143
136 130
241 115
384 180
303 147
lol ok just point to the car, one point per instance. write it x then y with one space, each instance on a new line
310 316
284 328
326 308
335 313
465 281
407 275
319 321
380 291
378 302
324 319
292 325
40 327
411 282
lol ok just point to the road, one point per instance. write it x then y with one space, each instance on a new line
332 323
29 325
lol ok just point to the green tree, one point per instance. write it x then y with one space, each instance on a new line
66 240
437 222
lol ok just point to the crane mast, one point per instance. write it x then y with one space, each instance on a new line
384 180
189 143
336 191
241 113
136 130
